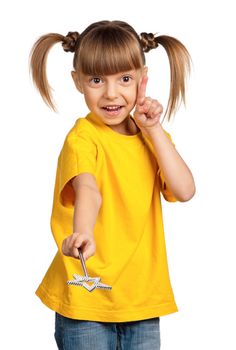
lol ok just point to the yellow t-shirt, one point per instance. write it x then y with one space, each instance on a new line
130 246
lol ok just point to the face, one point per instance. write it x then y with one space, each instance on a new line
110 97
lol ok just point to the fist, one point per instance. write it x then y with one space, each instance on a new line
82 241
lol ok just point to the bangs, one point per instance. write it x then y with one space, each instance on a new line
108 52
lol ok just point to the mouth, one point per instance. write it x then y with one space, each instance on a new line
112 110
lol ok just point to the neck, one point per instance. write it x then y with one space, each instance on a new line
127 127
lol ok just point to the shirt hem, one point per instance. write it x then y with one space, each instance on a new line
99 315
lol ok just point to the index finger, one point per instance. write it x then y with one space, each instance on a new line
142 90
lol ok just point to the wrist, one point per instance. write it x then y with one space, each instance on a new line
154 130
84 232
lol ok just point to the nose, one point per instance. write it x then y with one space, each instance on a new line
111 91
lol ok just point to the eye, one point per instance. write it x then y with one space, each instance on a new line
126 78
95 80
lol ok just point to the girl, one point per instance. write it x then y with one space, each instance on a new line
111 170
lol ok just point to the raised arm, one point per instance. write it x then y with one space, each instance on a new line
177 175
87 204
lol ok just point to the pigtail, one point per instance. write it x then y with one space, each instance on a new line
38 61
179 60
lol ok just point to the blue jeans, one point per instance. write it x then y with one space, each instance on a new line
87 335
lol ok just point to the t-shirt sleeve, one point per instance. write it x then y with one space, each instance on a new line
166 192
78 155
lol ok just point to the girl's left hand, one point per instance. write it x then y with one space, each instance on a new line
148 111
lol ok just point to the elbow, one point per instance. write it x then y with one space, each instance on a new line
187 193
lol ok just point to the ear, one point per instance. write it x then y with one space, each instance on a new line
145 70
75 77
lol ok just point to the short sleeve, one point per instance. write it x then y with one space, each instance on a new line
78 155
167 194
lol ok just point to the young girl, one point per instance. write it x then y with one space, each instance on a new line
111 170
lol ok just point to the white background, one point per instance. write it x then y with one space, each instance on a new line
199 234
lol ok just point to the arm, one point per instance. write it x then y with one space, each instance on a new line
87 204
177 175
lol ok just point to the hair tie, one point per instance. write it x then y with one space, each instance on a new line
148 41
69 42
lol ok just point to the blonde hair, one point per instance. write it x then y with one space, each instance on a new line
110 47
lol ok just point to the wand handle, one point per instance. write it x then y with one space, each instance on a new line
83 263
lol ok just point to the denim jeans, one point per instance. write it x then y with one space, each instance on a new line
88 335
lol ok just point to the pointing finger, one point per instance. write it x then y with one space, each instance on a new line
142 90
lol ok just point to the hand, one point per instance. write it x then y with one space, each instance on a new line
82 241
148 111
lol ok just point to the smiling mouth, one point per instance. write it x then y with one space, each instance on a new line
112 108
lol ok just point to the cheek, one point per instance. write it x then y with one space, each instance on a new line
90 97
134 94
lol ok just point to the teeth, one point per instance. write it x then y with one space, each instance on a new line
112 108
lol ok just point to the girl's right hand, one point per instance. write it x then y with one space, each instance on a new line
84 242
